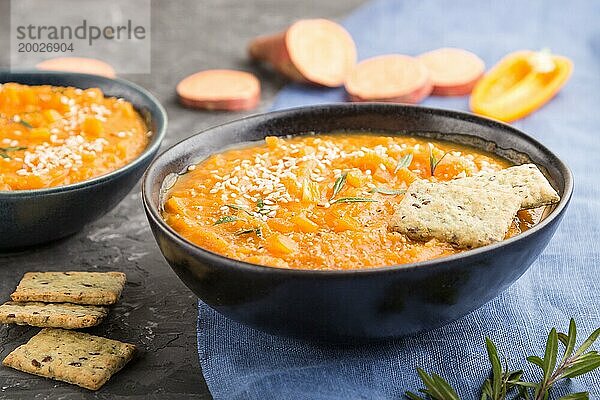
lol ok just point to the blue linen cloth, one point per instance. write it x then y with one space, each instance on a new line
241 363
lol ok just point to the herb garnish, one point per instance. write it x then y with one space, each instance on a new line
353 200
392 192
258 232
338 185
5 150
404 162
502 381
25 124
240 208
261 208
433 161
226 219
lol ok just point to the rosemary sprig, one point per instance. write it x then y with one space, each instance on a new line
240 208
338 185
393 192
433 160
261 209
573 363
226 219
353 200
404 162
257 231
5 150
503 381
25 124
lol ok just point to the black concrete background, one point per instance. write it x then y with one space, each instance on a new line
156 312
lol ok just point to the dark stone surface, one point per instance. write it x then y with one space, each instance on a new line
157 312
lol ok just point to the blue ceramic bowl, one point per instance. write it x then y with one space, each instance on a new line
361 304
30 217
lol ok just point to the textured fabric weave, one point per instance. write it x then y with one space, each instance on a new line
240 363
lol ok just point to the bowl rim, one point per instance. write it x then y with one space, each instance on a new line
149 151
215 258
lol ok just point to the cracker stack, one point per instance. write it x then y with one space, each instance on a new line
59 302
474 211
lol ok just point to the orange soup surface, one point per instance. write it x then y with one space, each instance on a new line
318 202
53 136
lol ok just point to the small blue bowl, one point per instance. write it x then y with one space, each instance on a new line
31 217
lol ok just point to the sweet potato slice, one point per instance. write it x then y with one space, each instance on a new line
220 89
454 72
316 51
78 64
391 78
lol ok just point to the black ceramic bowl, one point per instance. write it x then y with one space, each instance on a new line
361 304
30 217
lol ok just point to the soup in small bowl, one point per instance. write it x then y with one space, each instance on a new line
71 147
54 136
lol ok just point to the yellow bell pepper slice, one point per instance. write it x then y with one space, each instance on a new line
519 84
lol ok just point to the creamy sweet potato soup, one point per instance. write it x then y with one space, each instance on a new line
319 201
53 136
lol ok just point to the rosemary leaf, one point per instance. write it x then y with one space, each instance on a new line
585 364
5 150
536 360
576 396
25 124
444 387
435 387
570 340
588 342
353 200
338 185
257 231
13 148
236 207
550 354
496 381
393 192
564 339
433 161
240 208
404 162
486 390
413 396
226 219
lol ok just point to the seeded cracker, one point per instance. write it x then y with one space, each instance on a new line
463 216
526 180
97 288
74 357
55 315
